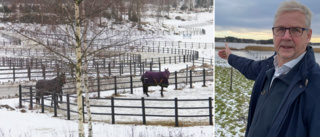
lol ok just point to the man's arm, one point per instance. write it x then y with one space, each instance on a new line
248 67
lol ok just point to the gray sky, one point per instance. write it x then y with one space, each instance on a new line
254 18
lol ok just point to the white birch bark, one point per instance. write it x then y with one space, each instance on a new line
86 89
79 69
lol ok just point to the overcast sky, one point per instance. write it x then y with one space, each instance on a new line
254 18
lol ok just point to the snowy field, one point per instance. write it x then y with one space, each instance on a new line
17 122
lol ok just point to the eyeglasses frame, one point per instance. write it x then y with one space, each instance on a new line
303 29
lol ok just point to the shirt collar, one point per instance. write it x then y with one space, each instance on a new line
285 68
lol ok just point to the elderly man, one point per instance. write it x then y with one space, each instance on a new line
285 101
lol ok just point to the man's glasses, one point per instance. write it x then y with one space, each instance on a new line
294 31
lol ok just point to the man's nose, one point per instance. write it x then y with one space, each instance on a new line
287 35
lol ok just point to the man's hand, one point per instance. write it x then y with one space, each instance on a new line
224 53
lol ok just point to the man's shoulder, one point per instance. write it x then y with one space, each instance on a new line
314 78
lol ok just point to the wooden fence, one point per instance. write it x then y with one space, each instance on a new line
101 67
29 97
103 56
116 83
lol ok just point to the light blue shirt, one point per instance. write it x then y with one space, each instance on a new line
285 68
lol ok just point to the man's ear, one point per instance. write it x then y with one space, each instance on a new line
309 34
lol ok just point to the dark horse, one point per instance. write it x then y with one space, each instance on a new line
150 78
49 87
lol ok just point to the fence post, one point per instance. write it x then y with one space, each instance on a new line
143 68
109 68
187 57
112 110
176 111
68 106
29 72
175 80
98 76
55 104
115 85
130 67
204 77
20 96
140 64
131 84
135 67
143 111
14 73
120 68
151 66
231 75
31 101
210 111
42 103
175 61
202 62
187 74
83 116
192 59
190 78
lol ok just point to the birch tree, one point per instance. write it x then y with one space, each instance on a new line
85 77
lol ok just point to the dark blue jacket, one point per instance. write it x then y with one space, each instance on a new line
299 112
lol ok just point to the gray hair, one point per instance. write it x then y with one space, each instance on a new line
289 6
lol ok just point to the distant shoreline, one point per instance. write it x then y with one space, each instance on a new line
262 48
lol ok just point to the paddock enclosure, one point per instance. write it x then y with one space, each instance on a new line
139 110
116 72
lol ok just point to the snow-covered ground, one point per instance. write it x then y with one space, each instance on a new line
24 122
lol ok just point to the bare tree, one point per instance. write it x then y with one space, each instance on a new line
85 77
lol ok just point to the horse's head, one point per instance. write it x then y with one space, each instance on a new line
63 78
167 72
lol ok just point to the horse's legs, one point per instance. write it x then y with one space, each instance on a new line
161 91
55 99
38 97
37 100
146 90
61 93
52 100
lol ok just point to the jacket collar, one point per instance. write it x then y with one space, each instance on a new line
307 62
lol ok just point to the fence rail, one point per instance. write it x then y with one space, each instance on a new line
101 69
113 108
116 83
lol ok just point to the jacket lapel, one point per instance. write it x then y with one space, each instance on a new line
297 87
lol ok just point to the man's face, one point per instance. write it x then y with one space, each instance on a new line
287 46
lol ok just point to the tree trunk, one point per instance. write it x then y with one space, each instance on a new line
139 13
86 89
78 68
